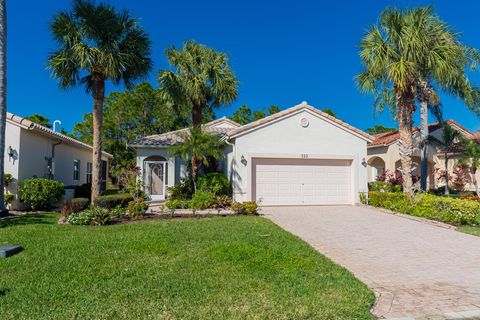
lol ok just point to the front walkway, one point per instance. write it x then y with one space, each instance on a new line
416 269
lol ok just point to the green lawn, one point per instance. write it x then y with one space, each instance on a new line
470 229
216 268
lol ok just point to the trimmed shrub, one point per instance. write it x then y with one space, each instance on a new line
181 191
113 201
178 204
83 191
215 182
222 202
202 200
248 207
384 186
445 209
7 179
137 208
41 194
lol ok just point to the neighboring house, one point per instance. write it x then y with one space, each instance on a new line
299 156
384 153
34 151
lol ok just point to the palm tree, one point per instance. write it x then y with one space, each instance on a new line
202 80
391 76
471 156
96 43
3 98
451 139
402 56
197 146
442 61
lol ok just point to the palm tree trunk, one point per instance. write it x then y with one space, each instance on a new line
197 115
405 110
474 180
447 191
195 168
98 97
3 98
424 144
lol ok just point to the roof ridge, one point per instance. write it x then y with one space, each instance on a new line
33 125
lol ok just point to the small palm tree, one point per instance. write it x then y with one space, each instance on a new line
451 139
96 43
198 146
3 98
471 156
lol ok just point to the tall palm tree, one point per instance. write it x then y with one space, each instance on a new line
95 44
202 80
471 156
198 146
3 97
403 55
391 76
442 61
451 140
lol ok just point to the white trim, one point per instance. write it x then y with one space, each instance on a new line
306 108
164 187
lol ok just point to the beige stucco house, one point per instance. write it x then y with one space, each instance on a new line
384 153
32 150
299 156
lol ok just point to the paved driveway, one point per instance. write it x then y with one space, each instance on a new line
415 268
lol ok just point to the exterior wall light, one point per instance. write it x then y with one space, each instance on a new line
243 160
364 162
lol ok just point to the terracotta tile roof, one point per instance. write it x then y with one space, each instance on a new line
386 138
303 105
175 137
29 125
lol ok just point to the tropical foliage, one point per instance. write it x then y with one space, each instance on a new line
394 75
244 115
130 115
376 129
198 147
97 43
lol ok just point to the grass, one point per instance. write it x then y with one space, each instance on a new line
215 268
470 229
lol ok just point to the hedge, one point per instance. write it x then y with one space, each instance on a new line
113 200
445 209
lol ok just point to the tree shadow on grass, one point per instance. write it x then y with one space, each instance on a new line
28 219
3 292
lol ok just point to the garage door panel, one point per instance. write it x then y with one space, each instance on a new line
302 181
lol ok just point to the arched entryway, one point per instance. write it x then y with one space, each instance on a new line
155 170
376 167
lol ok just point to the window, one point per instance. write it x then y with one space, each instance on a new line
89 172
76 170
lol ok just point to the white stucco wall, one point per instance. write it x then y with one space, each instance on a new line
34 148
174 167
288 139
12 139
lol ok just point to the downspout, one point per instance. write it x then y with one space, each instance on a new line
232 175
53 157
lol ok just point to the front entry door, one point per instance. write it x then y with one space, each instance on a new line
155 179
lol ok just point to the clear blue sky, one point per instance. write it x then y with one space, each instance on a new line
283 52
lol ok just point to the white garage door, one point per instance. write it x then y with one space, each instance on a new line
302 181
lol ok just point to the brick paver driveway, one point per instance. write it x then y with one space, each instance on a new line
416 269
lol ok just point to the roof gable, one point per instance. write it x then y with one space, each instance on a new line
294 110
